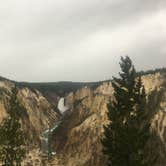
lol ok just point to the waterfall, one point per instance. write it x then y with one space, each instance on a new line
48 132
61 105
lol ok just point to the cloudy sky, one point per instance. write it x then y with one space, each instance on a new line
79 40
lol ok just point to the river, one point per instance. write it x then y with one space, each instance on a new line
46 135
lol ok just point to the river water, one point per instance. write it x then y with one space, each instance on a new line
48 132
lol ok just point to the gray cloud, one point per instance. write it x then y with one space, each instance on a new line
79 40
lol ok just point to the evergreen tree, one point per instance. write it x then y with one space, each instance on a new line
126 135
12 138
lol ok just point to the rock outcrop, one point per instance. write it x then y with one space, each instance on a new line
77 141
36 110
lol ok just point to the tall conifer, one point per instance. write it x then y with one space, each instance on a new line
12 138
126 135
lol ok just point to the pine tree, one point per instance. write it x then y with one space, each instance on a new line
12 140
126 135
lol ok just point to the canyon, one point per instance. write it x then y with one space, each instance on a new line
77 117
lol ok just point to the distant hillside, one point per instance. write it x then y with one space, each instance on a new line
60 88
64 87
160 70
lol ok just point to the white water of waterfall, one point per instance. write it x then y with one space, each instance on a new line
61 105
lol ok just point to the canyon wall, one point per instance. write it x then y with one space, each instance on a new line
78 139
36 110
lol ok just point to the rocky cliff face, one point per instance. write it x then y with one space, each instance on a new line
77 141
35 114
38 113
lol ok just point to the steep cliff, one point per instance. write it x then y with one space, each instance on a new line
77 140
36 110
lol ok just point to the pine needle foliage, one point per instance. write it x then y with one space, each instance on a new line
126 135
12 139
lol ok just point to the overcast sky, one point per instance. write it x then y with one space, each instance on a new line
79 40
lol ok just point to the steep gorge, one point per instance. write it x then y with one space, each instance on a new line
77 139
36 110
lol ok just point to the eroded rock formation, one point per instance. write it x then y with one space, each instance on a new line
77 138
